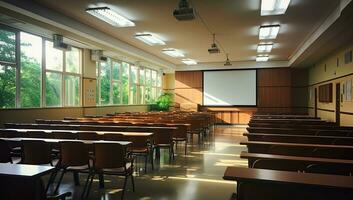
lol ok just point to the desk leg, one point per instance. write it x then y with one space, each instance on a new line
76 178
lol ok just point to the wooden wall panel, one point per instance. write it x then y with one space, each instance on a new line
274 77
188 89
189 79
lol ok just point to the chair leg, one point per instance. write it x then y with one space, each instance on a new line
85 186
89 186
170 155
186 146
122 195
76 178
101 180
133 183
51 180
60 179
172 151
146 157
152 160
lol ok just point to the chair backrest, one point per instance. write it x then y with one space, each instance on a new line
64 135
10 133
138 142
114 137
346 141
73 153
291 151
39 134
5 152
109 155
181 132
337 169
36 152
88 136
162 136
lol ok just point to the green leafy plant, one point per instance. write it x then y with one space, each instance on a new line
163 102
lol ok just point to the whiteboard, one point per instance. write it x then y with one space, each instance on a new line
229 88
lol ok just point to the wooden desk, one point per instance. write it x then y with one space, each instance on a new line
18 181
88 142
131 134
289 138
254 184
252 157
300 149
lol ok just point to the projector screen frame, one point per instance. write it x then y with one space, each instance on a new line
229 106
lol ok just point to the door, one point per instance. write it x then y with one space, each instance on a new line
315 103
338 103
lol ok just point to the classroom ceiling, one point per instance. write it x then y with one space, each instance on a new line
235 22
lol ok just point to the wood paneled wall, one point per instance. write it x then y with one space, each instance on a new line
279 90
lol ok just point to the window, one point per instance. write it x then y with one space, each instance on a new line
23 74
8 69
133 85
31 70
125 82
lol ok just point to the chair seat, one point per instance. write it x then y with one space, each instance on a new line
78 168
121 170
179 139
163 145
139 150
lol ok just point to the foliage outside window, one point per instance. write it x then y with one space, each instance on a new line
23 74
127 84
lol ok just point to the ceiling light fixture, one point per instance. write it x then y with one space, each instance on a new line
262 58
274 7
149 39
109 16
268 32
264 48
189 61
173 52
227 63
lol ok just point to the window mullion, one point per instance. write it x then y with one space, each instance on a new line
18 69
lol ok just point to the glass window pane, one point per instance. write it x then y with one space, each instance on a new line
159 80
148 77
153 95
104 83
142 76
125 83
133 75
133 94
142 94
72 90
31 70
7 46
7 86
154 78
53 57
116 93
73 61
97 83
53 90
116 71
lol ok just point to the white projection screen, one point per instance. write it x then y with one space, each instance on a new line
229 88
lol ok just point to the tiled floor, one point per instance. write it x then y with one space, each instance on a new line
196 176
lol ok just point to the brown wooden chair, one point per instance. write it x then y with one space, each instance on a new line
110 159
36 152
180 135
163 140
74 157
113 137
142 147
5 152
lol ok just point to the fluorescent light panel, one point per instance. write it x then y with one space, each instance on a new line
149 39
262 58
274 7
109 16
189 61
264 48
173 52
268 32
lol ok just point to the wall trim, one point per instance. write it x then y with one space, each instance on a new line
326 110
329 80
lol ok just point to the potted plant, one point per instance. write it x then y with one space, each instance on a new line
163 102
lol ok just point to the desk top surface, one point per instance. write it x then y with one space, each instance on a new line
18 139
250 174
296 144
21 170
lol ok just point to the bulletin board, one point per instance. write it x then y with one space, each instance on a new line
89 92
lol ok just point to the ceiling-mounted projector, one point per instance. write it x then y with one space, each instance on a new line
58 43
184 12
214 48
